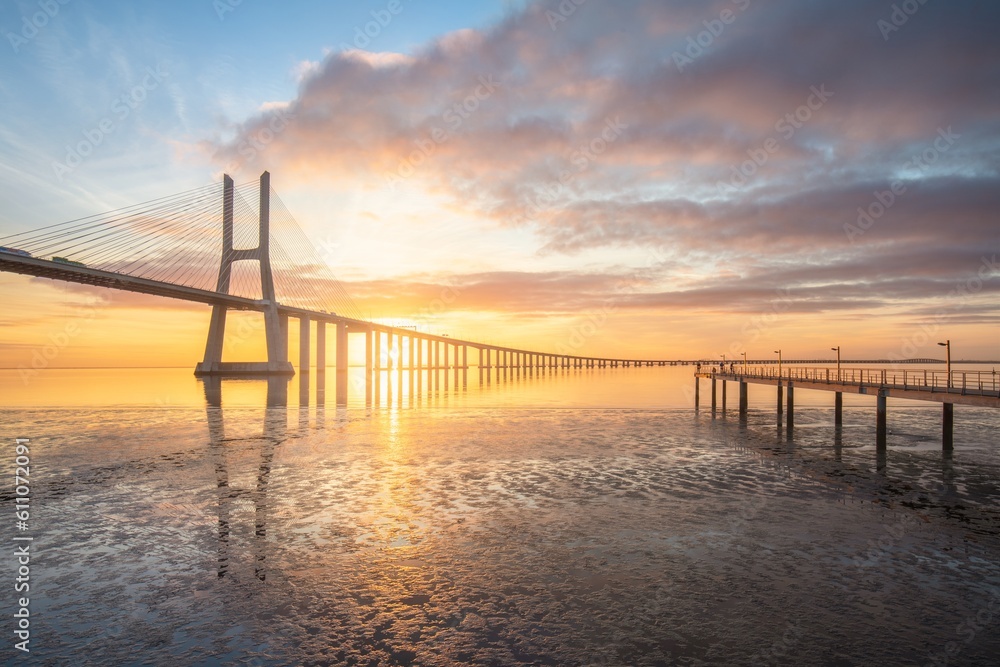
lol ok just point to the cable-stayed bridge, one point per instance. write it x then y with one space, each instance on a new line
237 247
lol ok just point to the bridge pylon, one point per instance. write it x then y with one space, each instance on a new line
275 327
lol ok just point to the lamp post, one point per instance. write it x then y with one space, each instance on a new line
947 346
778 352
744 363
837 350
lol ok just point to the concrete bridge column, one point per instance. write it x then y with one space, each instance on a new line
341 348
446 366
341 364
369 339
377 344
321 346
399 353
282 346
303 344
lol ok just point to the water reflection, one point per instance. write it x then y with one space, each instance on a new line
277 388
232 496
337 535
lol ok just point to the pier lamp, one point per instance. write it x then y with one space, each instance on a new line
947 346
837 350
744 363
778 352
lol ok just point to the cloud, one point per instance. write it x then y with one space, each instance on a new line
534 151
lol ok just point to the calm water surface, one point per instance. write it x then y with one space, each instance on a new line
588 518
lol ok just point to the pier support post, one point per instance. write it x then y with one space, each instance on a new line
947 425
713 396
838 408
791 406
781 398
880 421
697 389
743 401
723 397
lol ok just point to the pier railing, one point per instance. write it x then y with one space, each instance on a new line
982 383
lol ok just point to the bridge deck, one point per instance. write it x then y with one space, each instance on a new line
84 275
980 388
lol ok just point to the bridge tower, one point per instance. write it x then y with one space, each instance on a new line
275 326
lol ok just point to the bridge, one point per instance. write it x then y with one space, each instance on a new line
196 246
976 388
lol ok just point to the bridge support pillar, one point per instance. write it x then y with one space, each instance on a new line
341 348
321 346
369 339
723 397
947 426
781 398
277 363
399 353
341 363
697 390
838 408
320 363
880 420
304 323
282 342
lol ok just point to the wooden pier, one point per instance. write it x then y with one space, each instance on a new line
976 388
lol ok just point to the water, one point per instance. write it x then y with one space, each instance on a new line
586 518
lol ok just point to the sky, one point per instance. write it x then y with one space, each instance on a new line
665 179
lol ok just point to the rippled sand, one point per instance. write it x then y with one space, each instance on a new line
505 537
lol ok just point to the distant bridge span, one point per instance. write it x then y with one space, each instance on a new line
112 244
